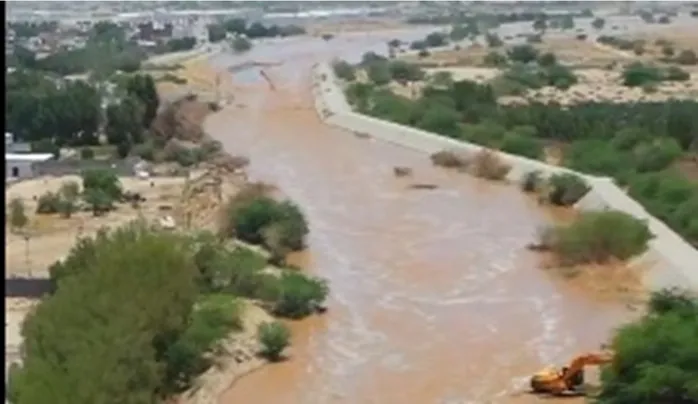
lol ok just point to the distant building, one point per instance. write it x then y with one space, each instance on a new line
18 162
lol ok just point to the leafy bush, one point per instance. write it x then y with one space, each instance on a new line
523 53
379 73
104 181
565 189
531 181
488 165
86 153
596 237
48 203
274 338
495 59
299 295
686 57
449 159
403 71
17 217
521 145
256 218
344 70
674 73
637 75
113 318
241 44
652 355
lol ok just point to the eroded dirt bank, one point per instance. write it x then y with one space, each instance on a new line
434 297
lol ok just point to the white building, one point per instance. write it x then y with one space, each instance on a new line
21 165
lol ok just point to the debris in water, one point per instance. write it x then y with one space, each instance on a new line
424 186
402 171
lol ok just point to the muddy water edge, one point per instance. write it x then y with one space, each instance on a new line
435 298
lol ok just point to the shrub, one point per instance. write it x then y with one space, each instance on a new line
48 203
121 319
547 59
344 70
651 354
565 189
274 337
495 59
523 53
18 217
256 218
521 145
86 153
403 71
241 44
104 181
637 75
686 57
449 159
488 165
531 181
379 73
299 295
674 73
597 237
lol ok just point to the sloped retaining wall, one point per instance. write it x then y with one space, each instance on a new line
673 262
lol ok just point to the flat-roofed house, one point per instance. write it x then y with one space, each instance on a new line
20 165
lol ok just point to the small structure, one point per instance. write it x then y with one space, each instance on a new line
21 165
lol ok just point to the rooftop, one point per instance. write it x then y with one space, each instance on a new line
30 157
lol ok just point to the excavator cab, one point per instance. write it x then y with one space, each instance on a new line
569 378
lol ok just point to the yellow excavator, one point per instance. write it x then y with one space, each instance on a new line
570 378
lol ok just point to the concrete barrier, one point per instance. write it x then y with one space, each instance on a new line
672 261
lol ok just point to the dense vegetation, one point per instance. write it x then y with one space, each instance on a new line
107 50
638 144
241 27
255 217
50 113
144 306
596 237
656 358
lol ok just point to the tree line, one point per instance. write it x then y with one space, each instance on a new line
240 26
51 113
136 313
638 144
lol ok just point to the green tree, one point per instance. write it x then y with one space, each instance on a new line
655 357
540 25
116 314
403 71
344 70
216 33
493 40
379 73
547 59
274 337
241 44
567 22
598 23
125 122
142 87
18 216
435 39
523 53
104 180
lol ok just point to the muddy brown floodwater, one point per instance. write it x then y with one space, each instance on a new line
434 298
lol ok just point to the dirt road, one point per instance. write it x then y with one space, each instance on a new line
434 297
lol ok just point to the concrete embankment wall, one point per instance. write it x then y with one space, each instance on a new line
672 261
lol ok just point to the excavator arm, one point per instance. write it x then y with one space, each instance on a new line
553 381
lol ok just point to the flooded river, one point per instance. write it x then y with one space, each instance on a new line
434 298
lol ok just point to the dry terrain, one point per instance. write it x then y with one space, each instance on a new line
598 67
